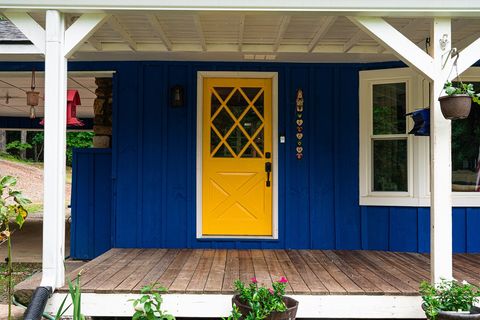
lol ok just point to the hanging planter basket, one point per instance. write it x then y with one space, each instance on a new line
456 106
289 314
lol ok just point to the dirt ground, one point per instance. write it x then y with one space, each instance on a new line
30 179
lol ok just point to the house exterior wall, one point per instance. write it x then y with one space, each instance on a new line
153 166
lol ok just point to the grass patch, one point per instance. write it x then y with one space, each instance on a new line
21 271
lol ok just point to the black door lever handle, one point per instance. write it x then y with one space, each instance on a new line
268 170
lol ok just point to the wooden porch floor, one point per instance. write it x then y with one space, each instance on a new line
308 271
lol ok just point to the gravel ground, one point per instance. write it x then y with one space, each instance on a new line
30 179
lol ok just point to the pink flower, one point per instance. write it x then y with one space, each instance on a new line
254 280
283 280
271 291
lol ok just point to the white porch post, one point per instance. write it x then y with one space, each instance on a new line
54 159
440 158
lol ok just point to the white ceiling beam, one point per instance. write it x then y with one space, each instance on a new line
353 41
412 25
281 32
81 30
95 43
157 28
241 31
201 35
327 23
115 25
468 56
402 47
29 27
19 49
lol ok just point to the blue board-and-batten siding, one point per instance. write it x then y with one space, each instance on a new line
91 210
153 177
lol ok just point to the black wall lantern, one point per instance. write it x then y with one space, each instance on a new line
177 96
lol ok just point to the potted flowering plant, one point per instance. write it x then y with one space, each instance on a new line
252 302
450 300
458 101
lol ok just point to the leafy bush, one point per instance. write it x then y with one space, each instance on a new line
447 296
149 306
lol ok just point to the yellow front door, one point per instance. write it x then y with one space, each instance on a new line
237 157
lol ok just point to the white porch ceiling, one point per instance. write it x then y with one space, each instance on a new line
13 87
239 36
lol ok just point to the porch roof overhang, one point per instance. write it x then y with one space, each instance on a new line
200 33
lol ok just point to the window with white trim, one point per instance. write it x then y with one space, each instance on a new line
395 166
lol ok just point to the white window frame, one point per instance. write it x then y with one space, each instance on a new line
416 148
418 97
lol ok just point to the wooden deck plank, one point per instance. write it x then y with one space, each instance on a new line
309 277
348 284
247 272
132 267
364 269
379 266
173 269
232 271
261 269
148 260
418 267
200 276
90 267
294 278
111 268
217 272
183 278
360 280
274 268
152 276
392 260
98 265
322 274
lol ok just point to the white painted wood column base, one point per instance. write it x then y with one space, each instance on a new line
54 154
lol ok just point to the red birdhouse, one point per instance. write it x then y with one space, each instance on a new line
73 99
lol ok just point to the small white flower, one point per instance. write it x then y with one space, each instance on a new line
464 282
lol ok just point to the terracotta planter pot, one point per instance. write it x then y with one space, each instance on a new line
456 106
289 314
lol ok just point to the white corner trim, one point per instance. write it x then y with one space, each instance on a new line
219 305
199 166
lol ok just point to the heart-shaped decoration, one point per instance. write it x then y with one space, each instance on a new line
300 108
299 115
299 156
299 122
299 136
299 129
299 149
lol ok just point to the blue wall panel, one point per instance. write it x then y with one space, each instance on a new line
91 203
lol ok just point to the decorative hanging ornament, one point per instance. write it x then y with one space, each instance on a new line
32 97
299 123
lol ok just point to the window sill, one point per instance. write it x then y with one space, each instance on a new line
462 199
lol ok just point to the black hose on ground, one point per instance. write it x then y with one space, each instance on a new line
37 304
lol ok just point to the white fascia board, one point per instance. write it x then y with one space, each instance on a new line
351 7
19 49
